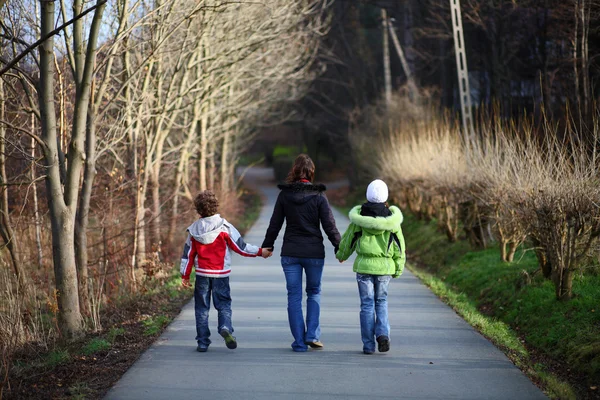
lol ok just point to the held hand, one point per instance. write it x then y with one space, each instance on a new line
186 283
266 253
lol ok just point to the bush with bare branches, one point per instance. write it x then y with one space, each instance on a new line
509 183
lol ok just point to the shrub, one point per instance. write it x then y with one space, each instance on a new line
508 183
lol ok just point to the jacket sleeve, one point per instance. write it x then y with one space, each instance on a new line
275 224
188 258
328 222
399 255
347 244
236 242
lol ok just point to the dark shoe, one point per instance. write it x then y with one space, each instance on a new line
368 352
315 345
201 349
383 343
229 340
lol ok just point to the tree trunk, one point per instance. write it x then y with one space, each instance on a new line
512 250
225 163
183 161
203 147
542 258
563 283
156 220
6 230
81 248
585 64
36 212
61 213
576 53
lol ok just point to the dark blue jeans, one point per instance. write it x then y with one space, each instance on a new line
219 288
313 268
373 290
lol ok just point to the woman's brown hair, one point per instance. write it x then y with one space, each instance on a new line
303 168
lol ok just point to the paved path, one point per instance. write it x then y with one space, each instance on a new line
434 354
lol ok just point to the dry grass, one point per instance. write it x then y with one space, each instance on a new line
515 181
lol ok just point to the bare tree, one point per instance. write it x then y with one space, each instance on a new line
63 198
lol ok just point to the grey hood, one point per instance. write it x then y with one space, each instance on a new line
206 230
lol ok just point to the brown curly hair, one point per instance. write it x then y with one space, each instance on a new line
304 168
206 203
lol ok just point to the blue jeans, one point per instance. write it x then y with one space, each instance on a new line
313 268
373 290
219 288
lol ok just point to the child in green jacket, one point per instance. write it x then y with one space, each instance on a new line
376 236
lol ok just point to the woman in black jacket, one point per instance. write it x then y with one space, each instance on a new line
304 207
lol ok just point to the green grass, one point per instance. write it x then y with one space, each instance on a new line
288 151
56 357
79 391
499 332
96 345
252 207
520 299
155 324
114 333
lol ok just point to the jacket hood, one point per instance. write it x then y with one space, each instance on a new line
206 230
300 193
391 223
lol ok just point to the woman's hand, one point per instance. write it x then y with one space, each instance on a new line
266 253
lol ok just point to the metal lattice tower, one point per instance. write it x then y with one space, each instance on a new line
462 71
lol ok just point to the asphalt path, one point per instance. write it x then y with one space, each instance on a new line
434 353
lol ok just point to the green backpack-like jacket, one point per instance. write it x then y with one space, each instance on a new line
378 242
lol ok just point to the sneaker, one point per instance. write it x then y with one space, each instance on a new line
315 345
201 349
229 339
368 351
383 343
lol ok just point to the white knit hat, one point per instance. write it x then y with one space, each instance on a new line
377 191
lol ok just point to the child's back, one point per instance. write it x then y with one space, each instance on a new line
208 247
376 236
211 240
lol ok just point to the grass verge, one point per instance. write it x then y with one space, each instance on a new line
515 307
555 343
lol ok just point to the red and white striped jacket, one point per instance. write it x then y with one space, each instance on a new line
208 247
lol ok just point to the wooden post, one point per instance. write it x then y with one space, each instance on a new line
409 78
386 59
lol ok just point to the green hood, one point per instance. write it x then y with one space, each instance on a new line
378 224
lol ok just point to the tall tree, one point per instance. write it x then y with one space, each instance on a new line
62 196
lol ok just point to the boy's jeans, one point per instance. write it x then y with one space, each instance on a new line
373 290
292 268
219 287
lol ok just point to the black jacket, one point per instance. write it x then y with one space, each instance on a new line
303 206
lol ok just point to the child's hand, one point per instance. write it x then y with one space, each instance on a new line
186 283
266 253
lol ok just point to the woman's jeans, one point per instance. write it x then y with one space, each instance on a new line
221 296
373 290
313 268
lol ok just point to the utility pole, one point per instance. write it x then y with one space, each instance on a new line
386 58
409 77
462 72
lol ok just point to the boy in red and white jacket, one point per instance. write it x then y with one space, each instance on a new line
208 248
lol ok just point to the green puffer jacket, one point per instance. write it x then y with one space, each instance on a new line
378 242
